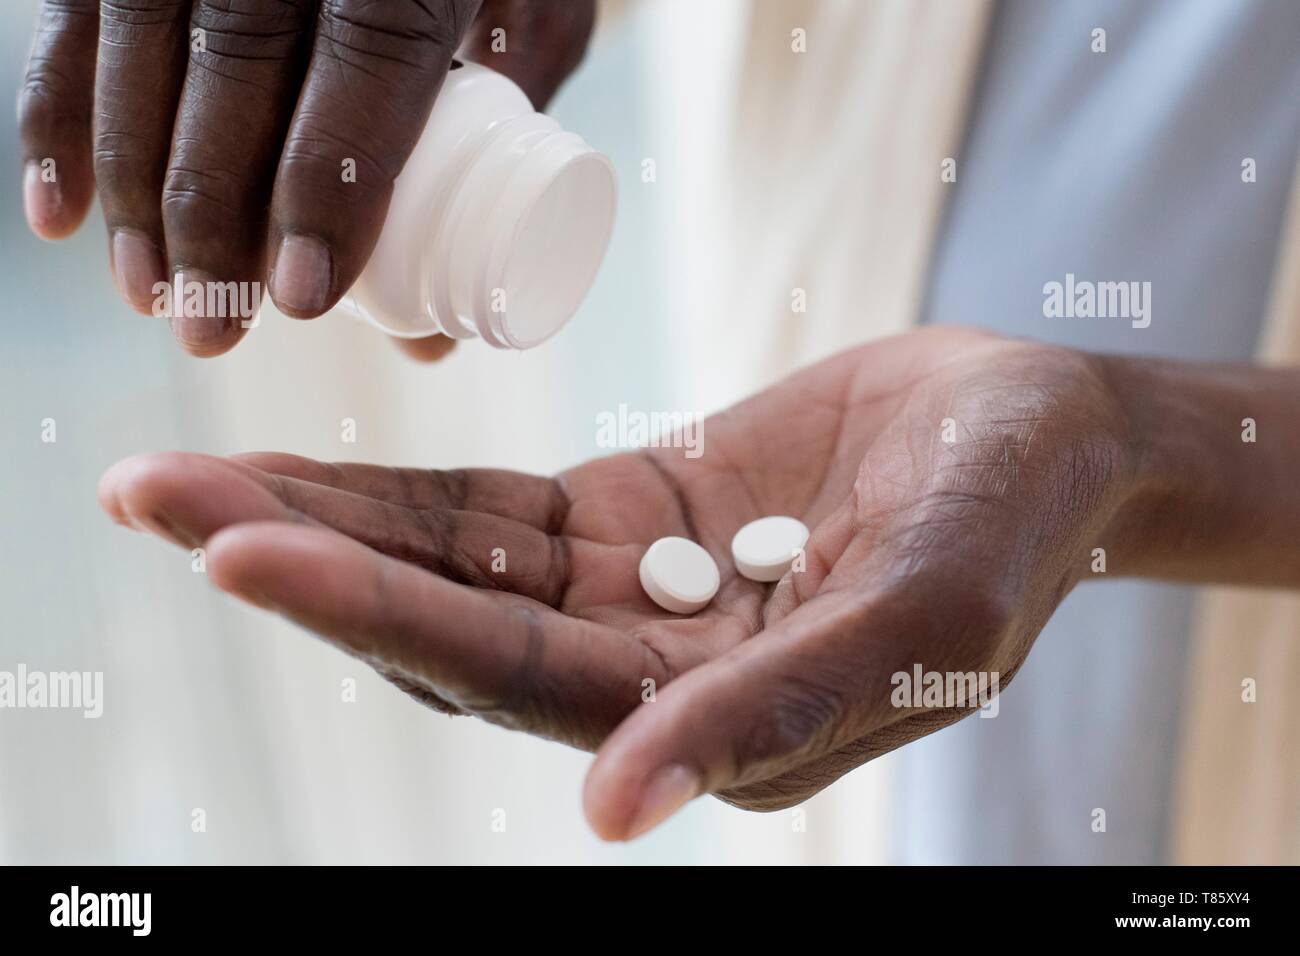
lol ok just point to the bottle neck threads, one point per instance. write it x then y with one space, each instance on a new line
518 234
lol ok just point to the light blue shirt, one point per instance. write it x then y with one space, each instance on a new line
1119 166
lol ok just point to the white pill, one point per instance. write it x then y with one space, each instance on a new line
679 575
764 549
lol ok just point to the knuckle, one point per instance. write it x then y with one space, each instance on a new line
138 49
58 85
375 68
525 695
395 30
446 554
194 196
126 20
119 170
49 102
321 138
246 37
68 8
265 14
398 51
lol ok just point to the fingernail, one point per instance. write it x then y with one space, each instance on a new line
137 267
202 314
42 201
669 789
300 279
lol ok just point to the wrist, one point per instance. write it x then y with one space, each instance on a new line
1147 488
1208 497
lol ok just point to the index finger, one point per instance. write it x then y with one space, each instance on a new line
375 71
508 659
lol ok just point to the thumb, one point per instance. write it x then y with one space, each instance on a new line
767 705
820 679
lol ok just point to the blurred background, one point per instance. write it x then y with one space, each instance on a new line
210 704
774 175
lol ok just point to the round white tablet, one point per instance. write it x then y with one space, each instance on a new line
764 549
679 575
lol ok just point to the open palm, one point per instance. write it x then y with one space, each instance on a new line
953 481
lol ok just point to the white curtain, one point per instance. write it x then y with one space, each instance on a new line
212 706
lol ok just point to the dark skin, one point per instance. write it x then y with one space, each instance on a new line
205 160
944 546
950 555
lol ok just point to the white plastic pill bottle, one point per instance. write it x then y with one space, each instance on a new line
497 226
